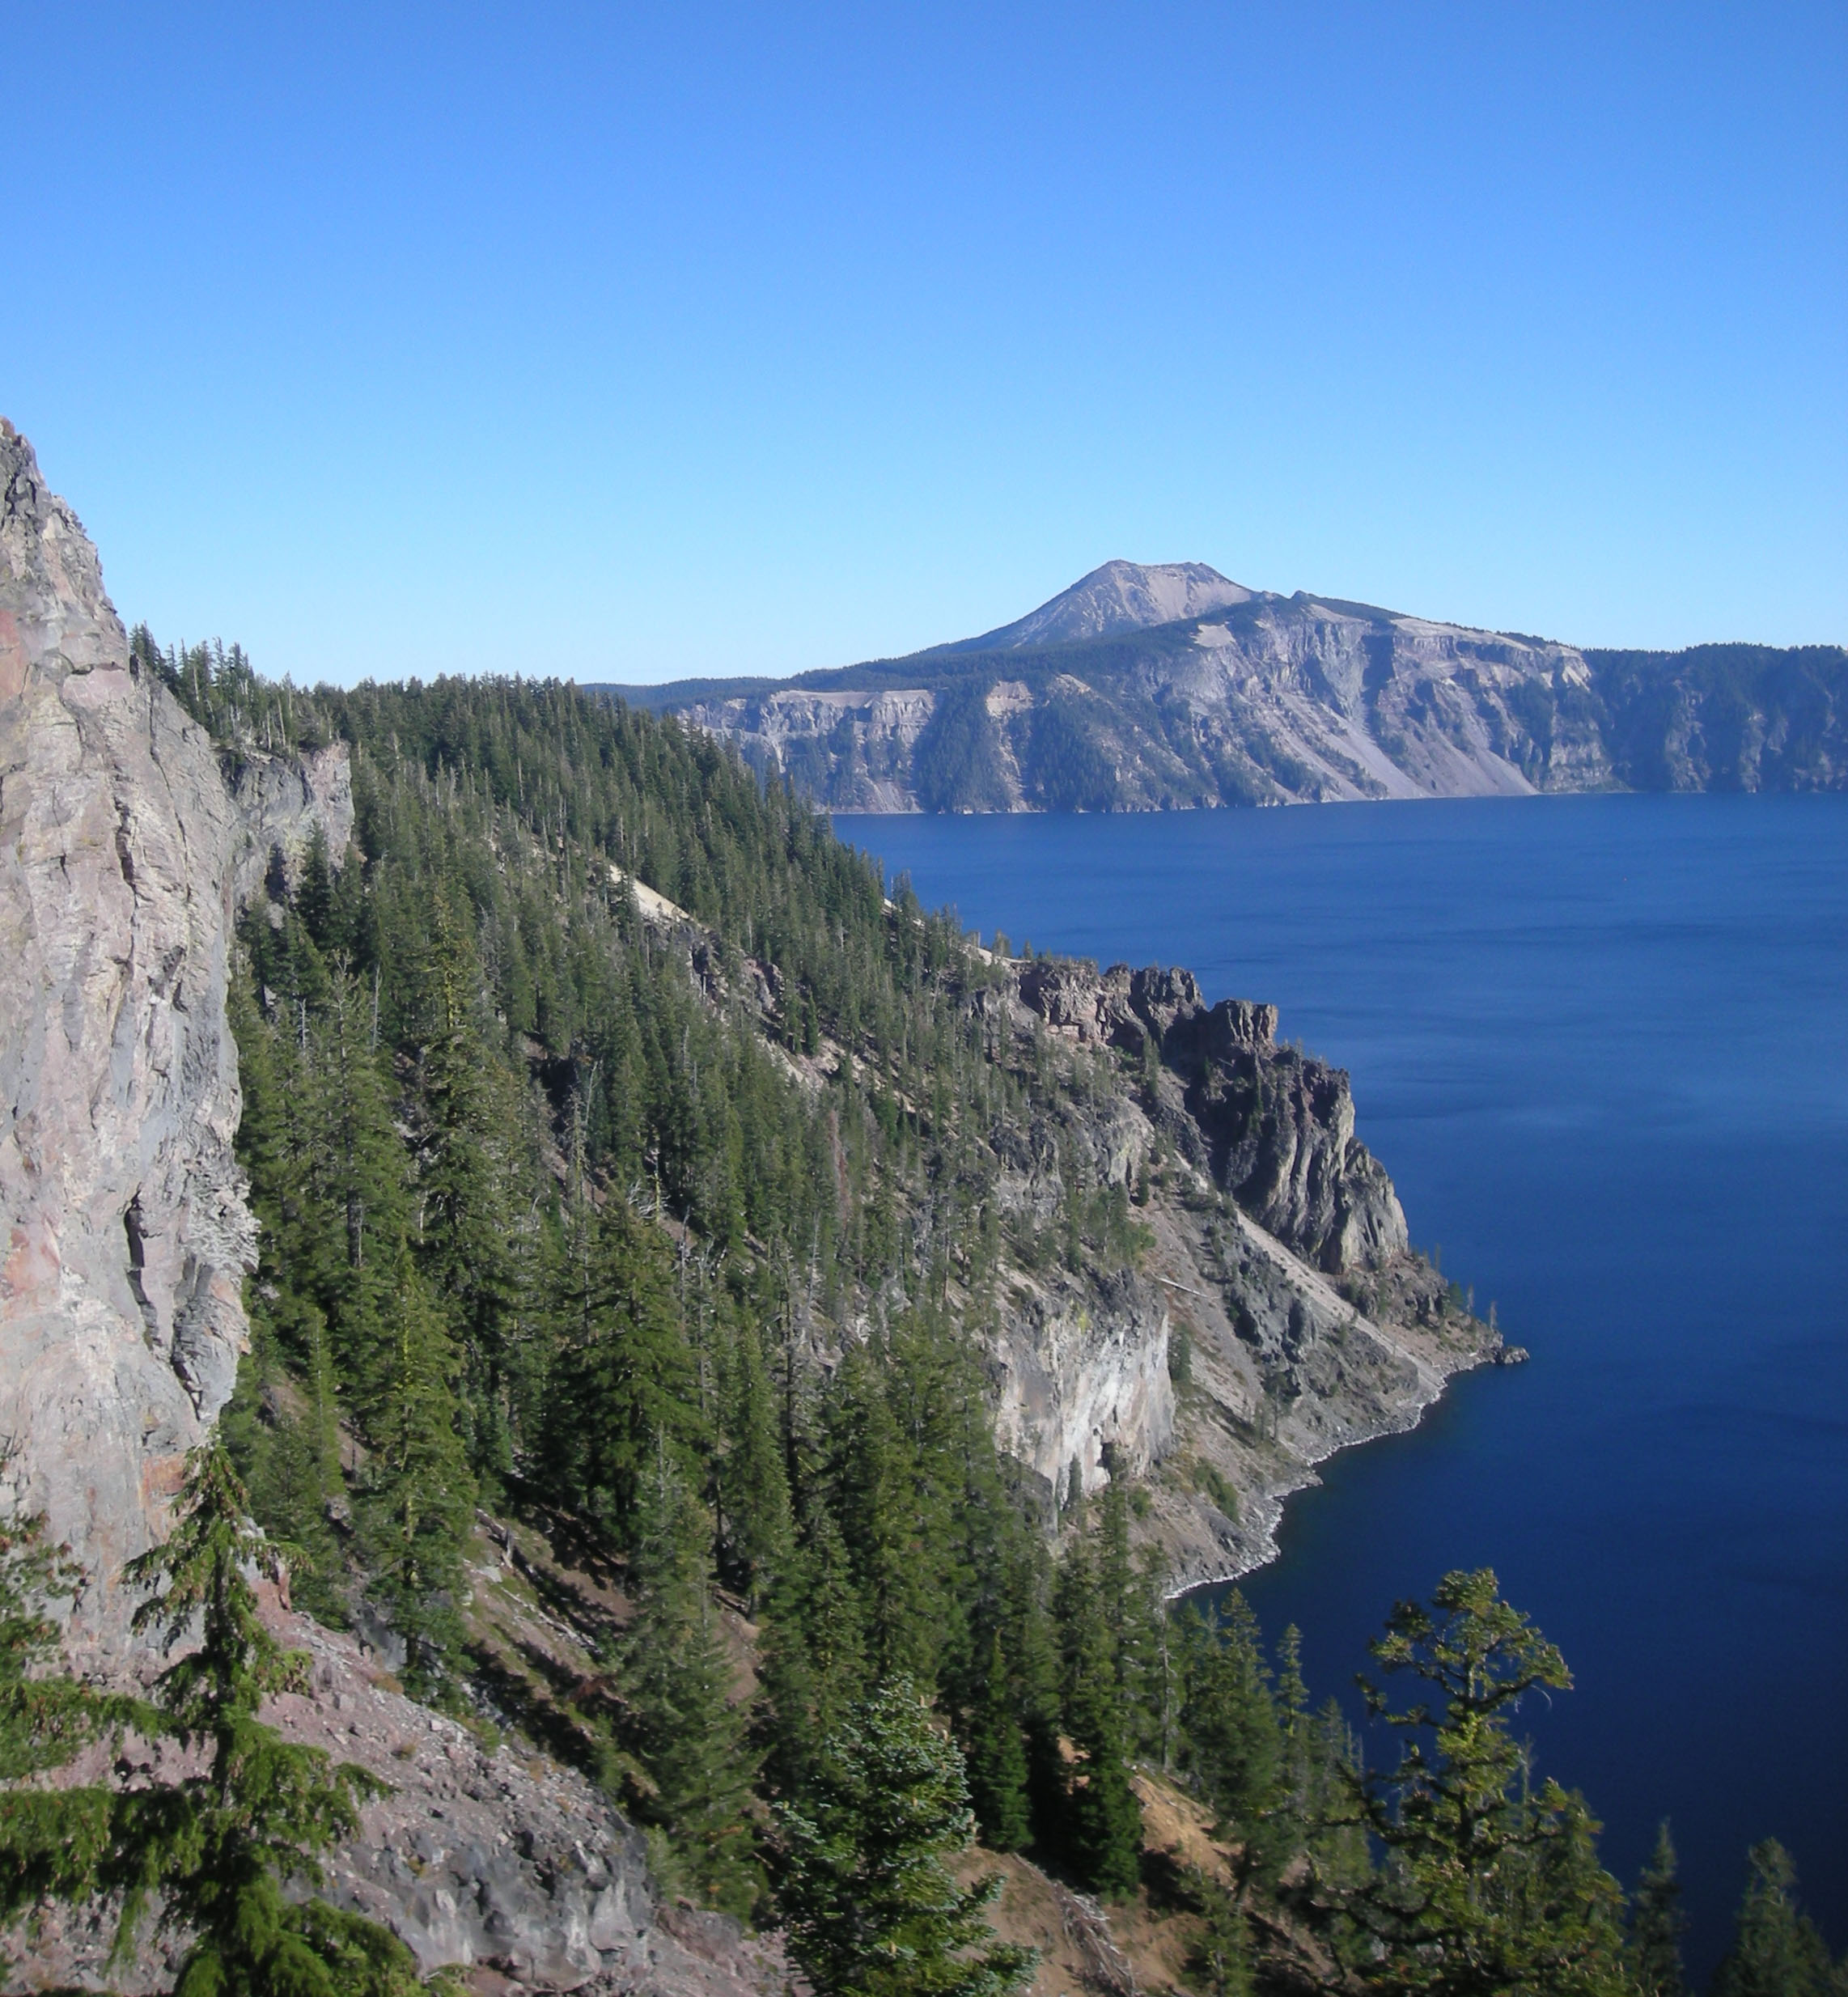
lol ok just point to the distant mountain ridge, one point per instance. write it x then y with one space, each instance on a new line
1165 686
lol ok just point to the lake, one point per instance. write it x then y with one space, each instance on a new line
1601 1045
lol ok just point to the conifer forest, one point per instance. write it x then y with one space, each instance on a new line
671 1234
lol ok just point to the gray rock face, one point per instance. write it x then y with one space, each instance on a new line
282 802
127 1236
1274 1126
124 854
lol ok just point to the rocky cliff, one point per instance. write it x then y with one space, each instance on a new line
126 850
1169 686
127 1234
1295 1320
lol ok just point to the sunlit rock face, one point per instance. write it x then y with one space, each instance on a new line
126 1233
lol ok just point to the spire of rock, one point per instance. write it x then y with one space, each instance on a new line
54 616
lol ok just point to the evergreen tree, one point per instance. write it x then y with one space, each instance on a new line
1657 1923
675 1677
1103 1821
470 1140
996 1758
288 1458
1235 1749
53 1839
815 1661
625 1384
419 1502
1221 1958
360 1174
876 1479
1777 1950
867 1900
215 1848
1491 1884
752 1485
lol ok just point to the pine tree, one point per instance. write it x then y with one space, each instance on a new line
419 1501
1777 1950
874 1475
867 1900
814 1651
1657 1923
675 1677
469 1245
360 1175
1221 1958
625 1380
1492 1884
54 1839
288 1458
1234 1747
996 1758
213 1849
752 1485
1102 1832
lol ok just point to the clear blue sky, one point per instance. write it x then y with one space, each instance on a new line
630 344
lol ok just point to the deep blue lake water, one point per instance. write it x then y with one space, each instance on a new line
1601 1045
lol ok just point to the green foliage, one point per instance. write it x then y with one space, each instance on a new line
995 1754
957 763
1777 1950
1105 1624
1491 1884
215 1848
418 1499
1656 1924
538 1205
1236 1747
623 1383
676 1679
865 1897
54 1840
1221 1958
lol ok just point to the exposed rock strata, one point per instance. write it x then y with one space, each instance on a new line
124 852
1170 687
1279 1248
123 855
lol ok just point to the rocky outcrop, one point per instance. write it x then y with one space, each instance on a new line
127 1236
282 802
1274 1125
1081 1376
857 746
123 856
126 850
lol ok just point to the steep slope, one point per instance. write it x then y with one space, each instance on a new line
126 850
122 1315
1163 688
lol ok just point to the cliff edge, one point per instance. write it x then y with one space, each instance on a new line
127 1236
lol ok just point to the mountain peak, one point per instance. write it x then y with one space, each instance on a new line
1119 596
54 616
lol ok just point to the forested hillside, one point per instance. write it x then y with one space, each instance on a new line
625 1156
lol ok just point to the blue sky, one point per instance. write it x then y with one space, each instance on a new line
628 345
